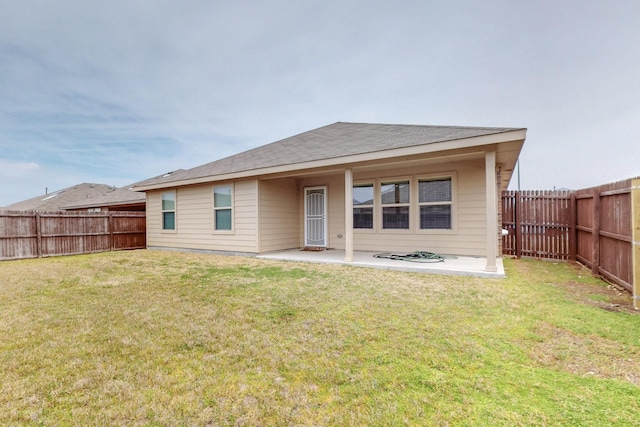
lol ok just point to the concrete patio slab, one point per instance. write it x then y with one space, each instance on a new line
452 265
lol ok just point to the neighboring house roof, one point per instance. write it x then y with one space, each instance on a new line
124 196
116 197
338 141
56 200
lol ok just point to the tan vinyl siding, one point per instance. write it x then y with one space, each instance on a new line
194 220
471 209
336 212
268 215
154 215
335 208
279 215
469 233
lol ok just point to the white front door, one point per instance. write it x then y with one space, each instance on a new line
315 216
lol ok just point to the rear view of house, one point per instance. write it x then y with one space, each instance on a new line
348 186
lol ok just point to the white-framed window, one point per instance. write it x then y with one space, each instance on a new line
395 198
435 201
223 208
169 210
363 198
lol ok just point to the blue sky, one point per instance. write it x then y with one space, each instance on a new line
118 91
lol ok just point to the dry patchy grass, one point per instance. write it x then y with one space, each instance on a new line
587 354
162 338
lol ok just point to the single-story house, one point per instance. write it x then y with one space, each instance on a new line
348 186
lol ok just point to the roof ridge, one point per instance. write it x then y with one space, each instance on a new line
430 126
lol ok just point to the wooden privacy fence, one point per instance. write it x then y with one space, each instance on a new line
539 224
28 234
604 230
598 227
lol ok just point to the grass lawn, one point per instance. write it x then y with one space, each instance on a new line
165 338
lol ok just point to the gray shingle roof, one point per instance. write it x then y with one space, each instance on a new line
115 197
333 141
56 200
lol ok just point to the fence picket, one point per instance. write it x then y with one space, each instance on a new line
592 226
29 234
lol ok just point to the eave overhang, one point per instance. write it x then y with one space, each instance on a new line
490 142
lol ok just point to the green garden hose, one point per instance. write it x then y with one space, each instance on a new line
417 256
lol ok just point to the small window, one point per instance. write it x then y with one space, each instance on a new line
435 200
395 197
363 206
222 207
169 210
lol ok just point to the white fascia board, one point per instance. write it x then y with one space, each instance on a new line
377 155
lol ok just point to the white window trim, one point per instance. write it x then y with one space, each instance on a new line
232 207
414 204
174 210
373 205
454 203
378 224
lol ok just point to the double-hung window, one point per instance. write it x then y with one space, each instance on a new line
223 208
169 210
395 200
435 201
363 206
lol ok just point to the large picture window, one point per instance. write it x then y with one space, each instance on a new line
395 200
363 206
435 201
169 210
223 207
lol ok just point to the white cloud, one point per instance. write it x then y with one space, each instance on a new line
9 168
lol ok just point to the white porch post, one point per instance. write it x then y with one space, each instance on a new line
492 210
348 215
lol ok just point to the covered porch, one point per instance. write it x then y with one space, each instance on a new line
451 265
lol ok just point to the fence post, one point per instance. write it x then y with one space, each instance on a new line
573 227
517 219
38 235
110 230
635 241
595 250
